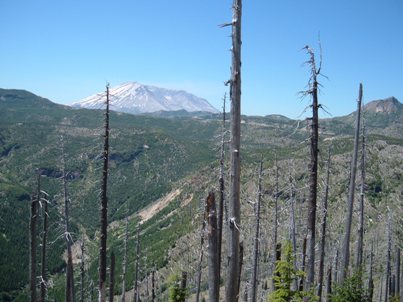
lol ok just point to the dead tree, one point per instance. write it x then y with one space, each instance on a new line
303 264
32 238
136 295
397 269
199 267
351 193
329 284
313 169
153 284
293 235
388 260
275 231
324 225
360 244
104 206
44 277
213 279
124 264
233 268
112 277
253 294
82 270
69 291
370 278
222 190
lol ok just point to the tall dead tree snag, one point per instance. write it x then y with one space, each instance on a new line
351 193
124 263
324 226
69 291
253 295
32 238
44 273
360 244
313 168
136 295
213 271
233 270
104 206
112 277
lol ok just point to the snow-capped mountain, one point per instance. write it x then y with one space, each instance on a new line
137 98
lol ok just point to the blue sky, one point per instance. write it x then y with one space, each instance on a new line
67 50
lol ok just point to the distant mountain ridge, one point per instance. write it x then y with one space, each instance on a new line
388 105
136 98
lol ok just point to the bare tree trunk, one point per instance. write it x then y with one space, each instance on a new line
32 228
388 265
336 267
301 280
104 207
313 172
324 225
82 271
275 235
214 279
397 286
124 264
136 295
360 244
233 271
257 237
222 192
44 277
370 278
241 250
153 285
329 284
199 267
292 225
278 258
351 193
69 291
112 277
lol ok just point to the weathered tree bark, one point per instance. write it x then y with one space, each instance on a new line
253 294
199 267
222 192
82 270
278 258
313 172
275 231
44 277
397 268
324 225
214 279
153 284
301 280
351 193
112 277
360 244
241 250
32 238
233 270
336 267
370 278
124 264
329 285
69 290
293 234
104 207
388 264
136 295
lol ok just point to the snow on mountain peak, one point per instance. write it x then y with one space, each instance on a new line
136 98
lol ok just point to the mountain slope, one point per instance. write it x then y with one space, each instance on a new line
137 98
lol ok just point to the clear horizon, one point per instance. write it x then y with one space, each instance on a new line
67 50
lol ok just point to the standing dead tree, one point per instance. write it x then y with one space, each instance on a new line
104 206
82 270
233 269
360 244
213 279
69 291
257 237
351 194
124 264
112 277
136 295
44 276
32 237
222 189
275 231
199 267
323 237
313 167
